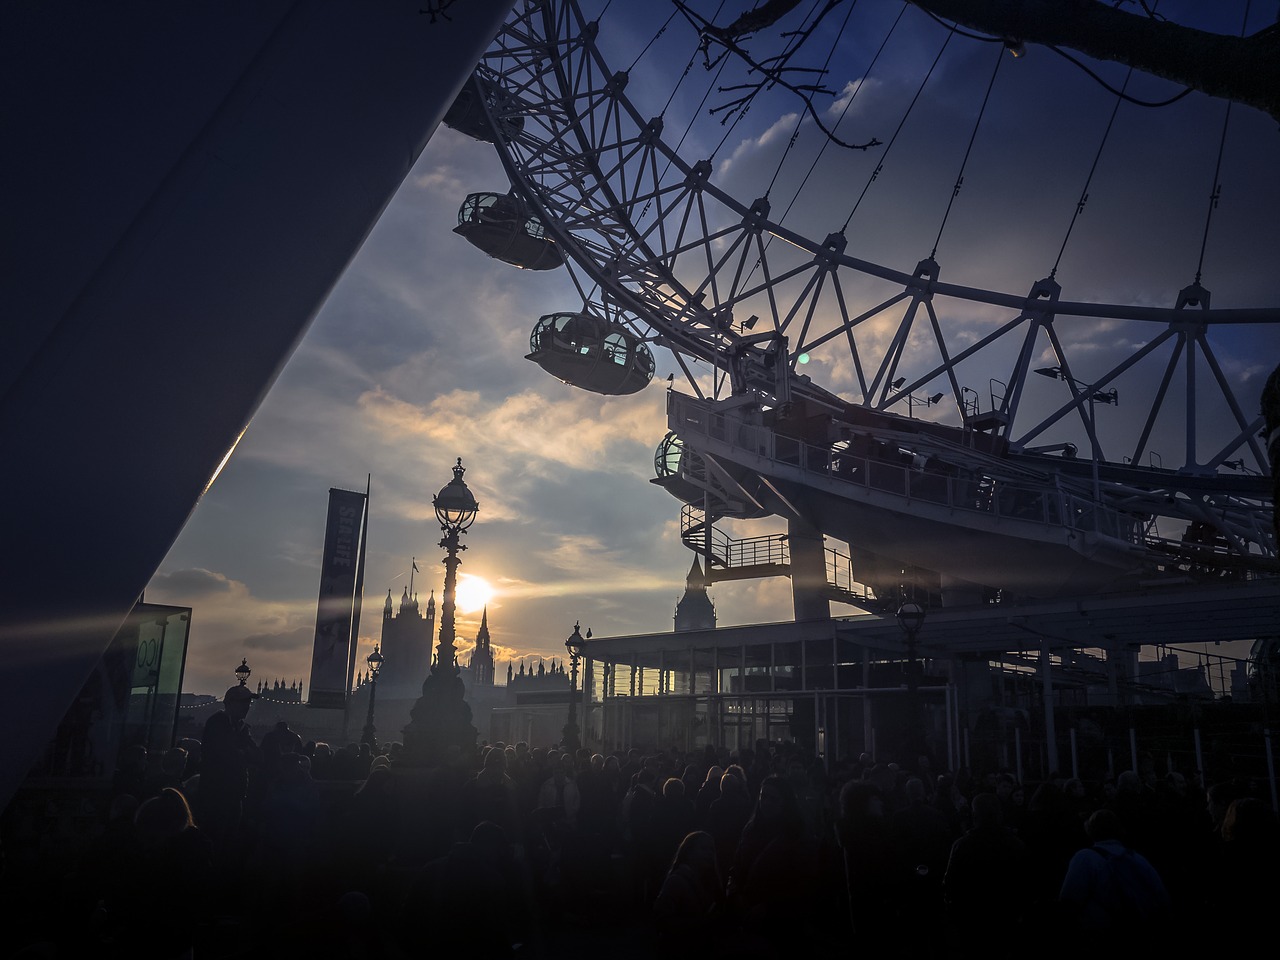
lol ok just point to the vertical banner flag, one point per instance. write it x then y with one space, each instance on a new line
355 620
340 575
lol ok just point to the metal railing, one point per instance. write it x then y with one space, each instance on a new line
919 479
772 550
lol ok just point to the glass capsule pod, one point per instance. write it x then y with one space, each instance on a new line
467 112
591 352
674 464
667 457
500 225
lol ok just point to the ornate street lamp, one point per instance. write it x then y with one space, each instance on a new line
575 645
370 731
243 671
441 719
456 510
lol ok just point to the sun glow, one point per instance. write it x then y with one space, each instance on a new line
473 593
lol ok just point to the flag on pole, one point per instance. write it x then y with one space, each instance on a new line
415 566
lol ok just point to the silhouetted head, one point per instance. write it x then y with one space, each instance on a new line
1104 824
731 786
489 841
986 810
913 790
698 850
174 761
859 800
163 816
777 801
1129 782
236 701
673 789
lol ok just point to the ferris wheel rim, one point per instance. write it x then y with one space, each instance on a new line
700 336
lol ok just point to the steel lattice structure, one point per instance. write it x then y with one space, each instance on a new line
680 262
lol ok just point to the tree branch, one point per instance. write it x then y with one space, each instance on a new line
1243 69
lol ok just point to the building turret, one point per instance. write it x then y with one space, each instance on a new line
405 645
482 657
695 611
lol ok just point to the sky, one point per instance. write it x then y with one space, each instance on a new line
417 357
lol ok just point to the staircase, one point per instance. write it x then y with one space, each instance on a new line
746 558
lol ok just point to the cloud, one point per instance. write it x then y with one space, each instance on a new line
189 586
842 105
784 126
299 638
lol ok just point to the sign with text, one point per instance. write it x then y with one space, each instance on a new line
340 580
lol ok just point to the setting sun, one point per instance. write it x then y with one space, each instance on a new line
473 593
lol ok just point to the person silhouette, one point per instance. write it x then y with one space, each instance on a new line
228 752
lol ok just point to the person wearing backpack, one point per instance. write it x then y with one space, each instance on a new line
1111 892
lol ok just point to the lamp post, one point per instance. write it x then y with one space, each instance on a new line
575 645
911 619
912 399
441 718
456 510
1094 396
370 735
243 671
929 401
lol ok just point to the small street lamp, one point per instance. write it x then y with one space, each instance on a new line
575 645
911 619
370 735
243 671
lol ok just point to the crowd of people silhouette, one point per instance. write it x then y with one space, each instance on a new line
232 846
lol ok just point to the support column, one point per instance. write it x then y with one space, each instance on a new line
808 571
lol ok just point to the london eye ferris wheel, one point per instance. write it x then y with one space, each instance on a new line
871 245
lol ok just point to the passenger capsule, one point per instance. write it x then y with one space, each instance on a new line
500 225
668 456
467 112
591 352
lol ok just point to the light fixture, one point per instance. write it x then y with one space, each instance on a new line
455 507
911 618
